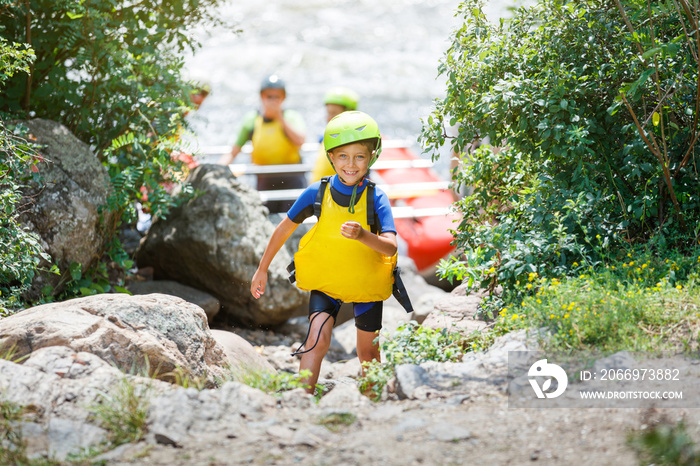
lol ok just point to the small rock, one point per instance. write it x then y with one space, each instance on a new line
449 432
409 423
408 378
165 439
344 396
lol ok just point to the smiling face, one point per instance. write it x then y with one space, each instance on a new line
351 162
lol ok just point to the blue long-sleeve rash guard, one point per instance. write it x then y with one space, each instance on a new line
341 193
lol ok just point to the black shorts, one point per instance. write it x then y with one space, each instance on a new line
368 320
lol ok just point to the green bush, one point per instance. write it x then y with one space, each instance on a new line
375 377
111 72
411 343
637 306
104 67
12 444
123 411
20 251
665 444
594 115
274 383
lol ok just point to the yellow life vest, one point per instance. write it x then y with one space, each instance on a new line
322 167
343 268
270 145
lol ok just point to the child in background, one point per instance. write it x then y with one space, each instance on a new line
277 135
337 101
350 254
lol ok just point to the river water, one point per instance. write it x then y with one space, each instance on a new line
387 51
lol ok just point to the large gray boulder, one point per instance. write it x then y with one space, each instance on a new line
157 333
63 208
207 302
241 355
214 243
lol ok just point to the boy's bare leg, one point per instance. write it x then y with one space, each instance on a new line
312 360
367 350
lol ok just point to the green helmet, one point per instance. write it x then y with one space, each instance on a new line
349 127
272 82
342 96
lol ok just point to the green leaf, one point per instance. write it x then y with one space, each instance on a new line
121 289
651 52
75 270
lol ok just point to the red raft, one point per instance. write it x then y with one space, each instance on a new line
425 193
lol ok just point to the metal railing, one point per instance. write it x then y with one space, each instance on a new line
394 191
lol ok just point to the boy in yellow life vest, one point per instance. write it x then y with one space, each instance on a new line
350 254
337 101
277 135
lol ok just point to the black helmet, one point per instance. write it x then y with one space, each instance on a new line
272 82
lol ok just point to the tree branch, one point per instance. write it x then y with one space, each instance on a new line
26 99
657 153
629 25
693 51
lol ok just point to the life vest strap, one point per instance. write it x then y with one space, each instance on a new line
291 268
318 202
400 293
370 206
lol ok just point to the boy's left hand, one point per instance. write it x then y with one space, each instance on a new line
351 230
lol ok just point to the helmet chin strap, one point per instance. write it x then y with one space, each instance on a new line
353 196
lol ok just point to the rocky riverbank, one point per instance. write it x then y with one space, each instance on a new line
168 355
433 413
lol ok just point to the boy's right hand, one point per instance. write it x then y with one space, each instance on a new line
257 286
